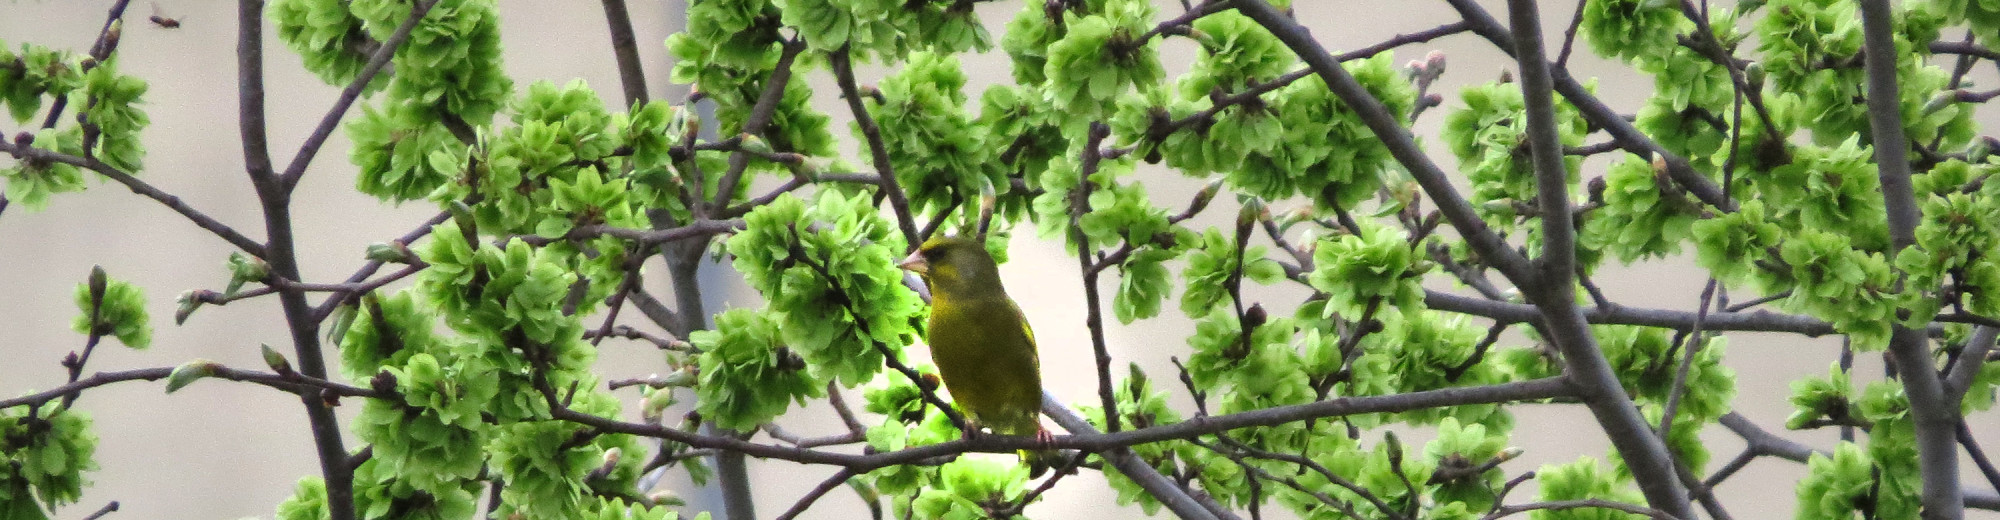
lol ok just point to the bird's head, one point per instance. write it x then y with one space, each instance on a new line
954 265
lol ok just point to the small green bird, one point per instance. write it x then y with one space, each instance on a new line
981 342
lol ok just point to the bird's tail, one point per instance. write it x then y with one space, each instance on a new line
1040 460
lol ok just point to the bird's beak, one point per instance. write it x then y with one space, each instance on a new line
915 263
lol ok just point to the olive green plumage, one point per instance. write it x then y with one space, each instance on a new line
981 342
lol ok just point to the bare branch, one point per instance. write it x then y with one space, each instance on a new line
878 151
297 168
202 220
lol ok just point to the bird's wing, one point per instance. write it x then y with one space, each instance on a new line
1026 329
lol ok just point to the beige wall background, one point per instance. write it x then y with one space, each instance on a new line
219 450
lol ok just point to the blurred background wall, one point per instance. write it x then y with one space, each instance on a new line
219 450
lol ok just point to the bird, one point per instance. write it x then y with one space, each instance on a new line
981 343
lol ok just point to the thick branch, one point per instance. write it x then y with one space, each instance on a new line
1553 288
1936 419
631 75
1388 127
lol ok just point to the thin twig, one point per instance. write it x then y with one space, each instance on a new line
31 154
878 151
1560 505
1537 389
107 509
297 169
838 478
1093 314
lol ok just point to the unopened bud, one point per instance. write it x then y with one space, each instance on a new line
276 361
187 302
1255 316
98 282
393 252
1942 100
1253 211
1434 62
655 405
190 372
1206 195
1394 446
684 377
1753 75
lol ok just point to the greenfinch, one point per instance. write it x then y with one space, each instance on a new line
983 347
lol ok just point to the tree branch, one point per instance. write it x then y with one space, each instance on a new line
1394 136
1560 505
1756 321
798 508
631 75
297 169
878 151
1936 418
1553 291
760 116
202 220
1531 390
1599 114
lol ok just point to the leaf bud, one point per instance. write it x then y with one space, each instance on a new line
1434 63
687 376
98 283
467 225
1255 316
1394 445
190 372
276 361
393 252
1253 210
754 144
1942 100
1753 75
188 301
1206 195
